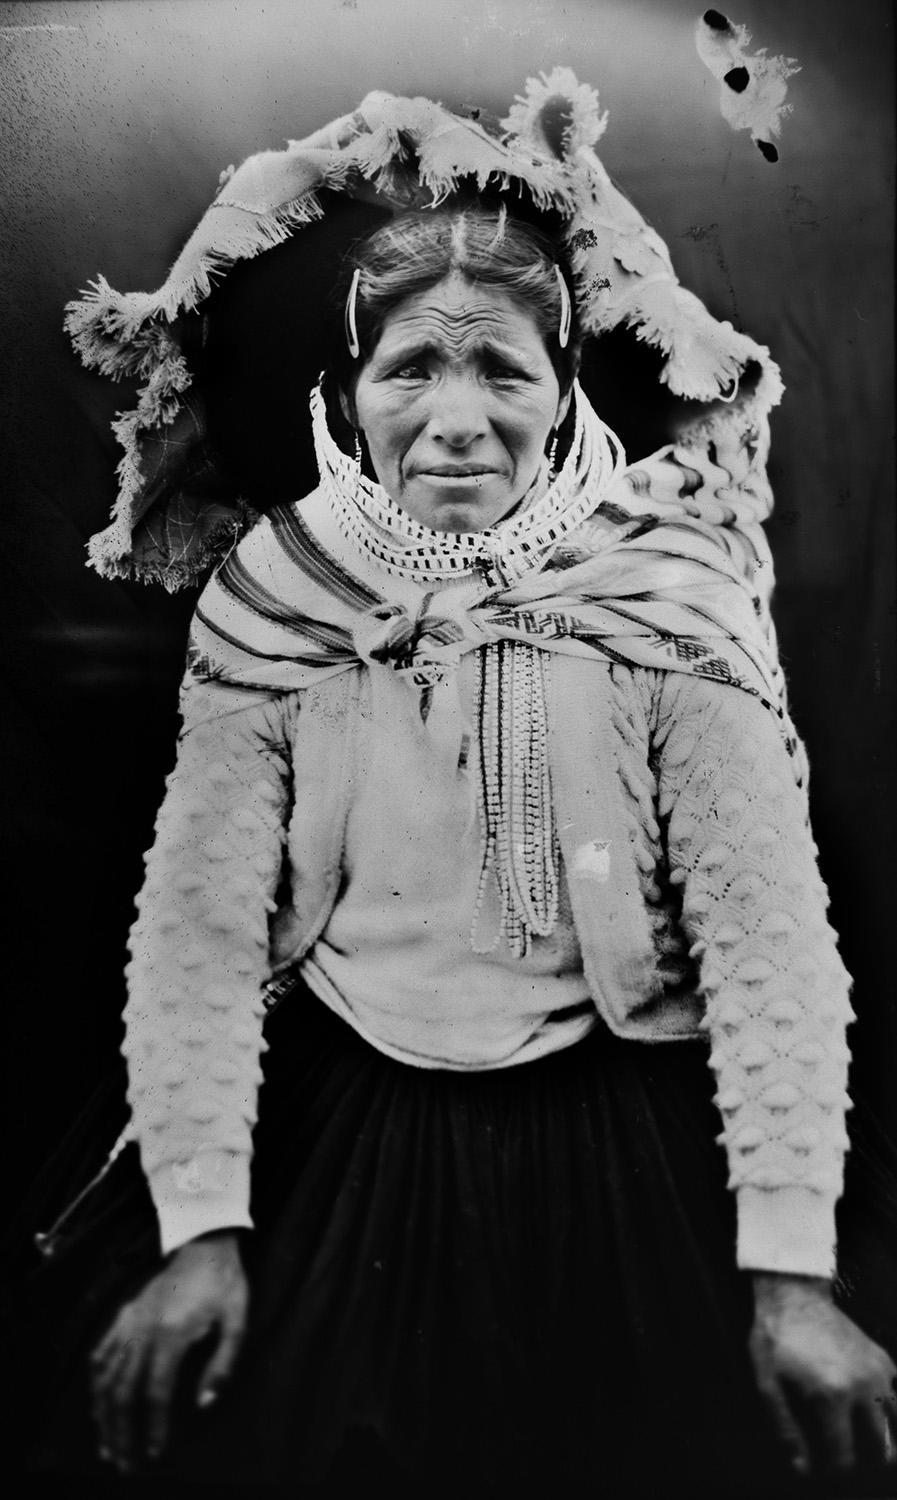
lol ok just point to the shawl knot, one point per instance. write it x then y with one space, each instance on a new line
424 647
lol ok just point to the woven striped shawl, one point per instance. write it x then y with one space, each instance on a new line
647 581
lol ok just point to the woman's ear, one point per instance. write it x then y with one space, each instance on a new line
347 407
563 408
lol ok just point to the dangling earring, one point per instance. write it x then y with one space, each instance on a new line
566 309
358 449
552 453
351 325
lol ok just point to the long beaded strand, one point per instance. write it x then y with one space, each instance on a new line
519 843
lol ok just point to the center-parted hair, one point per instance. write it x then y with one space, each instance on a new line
488 247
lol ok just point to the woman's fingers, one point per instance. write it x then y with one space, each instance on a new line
114 1367
137 1364
876 1431
164 1368
833 1432
107 1362
134 1375
220 1367
787 1427
122 1402
838 1381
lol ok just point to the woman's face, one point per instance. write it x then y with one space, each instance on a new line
456 404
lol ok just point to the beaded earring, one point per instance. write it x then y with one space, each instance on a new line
552 453
358 449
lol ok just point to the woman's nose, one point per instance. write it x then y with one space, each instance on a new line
459 413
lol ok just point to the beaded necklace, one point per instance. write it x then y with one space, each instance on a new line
518 835
503 553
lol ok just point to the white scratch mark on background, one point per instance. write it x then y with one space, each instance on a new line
753 86
51 26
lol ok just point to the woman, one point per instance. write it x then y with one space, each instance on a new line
490 725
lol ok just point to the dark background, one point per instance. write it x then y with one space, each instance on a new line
118 117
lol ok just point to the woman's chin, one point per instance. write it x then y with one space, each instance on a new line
456 505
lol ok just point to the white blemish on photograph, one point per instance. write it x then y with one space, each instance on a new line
592 860
753 86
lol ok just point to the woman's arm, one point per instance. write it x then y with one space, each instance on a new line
199 955
193 1043
754 908
739 848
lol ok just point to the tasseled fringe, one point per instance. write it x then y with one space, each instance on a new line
120 335
383 148
549 99
108 328
240 241
159 400
110 551
704 359
443 162
622 267
747 411
112 558
110 332
158 404
544 193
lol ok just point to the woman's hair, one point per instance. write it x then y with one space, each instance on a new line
486 246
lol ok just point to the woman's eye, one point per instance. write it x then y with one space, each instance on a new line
504 372
410 372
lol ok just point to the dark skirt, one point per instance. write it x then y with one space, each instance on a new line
516 1280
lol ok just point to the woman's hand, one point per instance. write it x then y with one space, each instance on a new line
201 1291
829 1388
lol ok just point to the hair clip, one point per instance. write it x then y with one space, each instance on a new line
566 310
351 326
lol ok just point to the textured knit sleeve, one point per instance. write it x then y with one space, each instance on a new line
776 992
199 954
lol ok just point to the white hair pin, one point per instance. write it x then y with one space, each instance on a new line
351 325
566 310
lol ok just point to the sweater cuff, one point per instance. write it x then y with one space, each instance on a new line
208 1192
790 1229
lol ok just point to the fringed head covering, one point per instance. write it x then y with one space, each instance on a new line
648 553
181 506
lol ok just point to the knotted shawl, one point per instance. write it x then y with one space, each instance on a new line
671 572
663 574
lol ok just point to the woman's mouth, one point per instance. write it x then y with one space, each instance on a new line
457 471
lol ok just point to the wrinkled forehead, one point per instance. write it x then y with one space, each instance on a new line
459 316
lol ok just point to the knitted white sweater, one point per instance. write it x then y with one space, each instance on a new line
727 871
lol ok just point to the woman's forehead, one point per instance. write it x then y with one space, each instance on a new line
459 314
